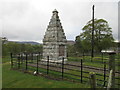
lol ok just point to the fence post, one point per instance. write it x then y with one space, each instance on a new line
26 61
104 73
112 66
31 57
110 80
83 55
102 58
92 80
81 69
47 64
18 61
62 67
37 64
21 58
11 60
91 59
39 56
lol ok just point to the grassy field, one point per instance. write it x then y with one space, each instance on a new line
17 79
97 61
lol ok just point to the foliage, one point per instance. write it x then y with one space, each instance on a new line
71 50
17 48
103 37
81 45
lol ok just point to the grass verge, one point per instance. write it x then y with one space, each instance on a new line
17 79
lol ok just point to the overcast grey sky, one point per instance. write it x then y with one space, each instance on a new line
27 20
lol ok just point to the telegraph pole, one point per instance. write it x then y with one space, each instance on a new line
92 51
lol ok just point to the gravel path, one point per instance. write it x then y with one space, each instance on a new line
74 66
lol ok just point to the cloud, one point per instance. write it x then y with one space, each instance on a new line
28 19
119 21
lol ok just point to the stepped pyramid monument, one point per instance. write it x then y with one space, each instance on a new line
54 42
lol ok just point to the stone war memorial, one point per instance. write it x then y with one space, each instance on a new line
54 41
91 61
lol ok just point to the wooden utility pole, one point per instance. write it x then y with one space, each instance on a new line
92 41
110 80
112 67
92 80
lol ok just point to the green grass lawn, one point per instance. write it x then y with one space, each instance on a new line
97 61
17 79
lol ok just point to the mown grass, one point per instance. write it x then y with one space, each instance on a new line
97 61
74 78
17 79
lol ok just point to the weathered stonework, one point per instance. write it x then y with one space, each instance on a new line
54 42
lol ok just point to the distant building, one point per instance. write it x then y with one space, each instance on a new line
70 42
4 40
117 46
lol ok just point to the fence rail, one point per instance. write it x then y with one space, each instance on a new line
30 62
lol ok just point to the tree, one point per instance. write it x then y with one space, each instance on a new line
38 48
103 37
71 51
15 48
78 44
82 46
